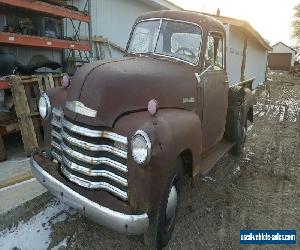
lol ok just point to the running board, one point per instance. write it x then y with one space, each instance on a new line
210 158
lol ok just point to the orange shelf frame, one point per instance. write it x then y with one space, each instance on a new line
42 42
4 84
49 9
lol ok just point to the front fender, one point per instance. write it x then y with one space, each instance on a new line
171 131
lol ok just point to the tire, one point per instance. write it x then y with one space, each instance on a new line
2 150
240 130
236 124
163 224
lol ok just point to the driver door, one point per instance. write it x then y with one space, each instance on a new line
215 92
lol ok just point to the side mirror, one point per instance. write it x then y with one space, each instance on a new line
199 76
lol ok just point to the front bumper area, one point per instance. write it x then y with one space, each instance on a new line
120 222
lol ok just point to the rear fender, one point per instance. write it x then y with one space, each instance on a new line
247 105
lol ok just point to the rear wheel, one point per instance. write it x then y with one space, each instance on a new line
240 130
236 122
2 150
162 227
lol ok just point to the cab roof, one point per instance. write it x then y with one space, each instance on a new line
188 16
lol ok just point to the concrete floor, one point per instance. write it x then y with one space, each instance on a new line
17 163
17 184
16 195
14 147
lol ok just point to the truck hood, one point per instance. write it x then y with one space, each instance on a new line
117 87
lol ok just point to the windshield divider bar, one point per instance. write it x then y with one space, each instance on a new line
157 35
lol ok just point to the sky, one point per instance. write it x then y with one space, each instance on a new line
271 18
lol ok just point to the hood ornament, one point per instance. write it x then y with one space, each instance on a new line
80 108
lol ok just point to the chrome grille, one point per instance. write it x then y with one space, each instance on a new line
89 157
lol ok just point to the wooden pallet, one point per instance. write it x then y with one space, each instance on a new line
103 45
26 92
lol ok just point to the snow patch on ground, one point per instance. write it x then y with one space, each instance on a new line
282 114
34 234
61 245
208 179
236 170
250 127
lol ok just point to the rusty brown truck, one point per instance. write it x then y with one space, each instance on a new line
122 133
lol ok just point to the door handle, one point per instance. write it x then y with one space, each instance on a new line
226 82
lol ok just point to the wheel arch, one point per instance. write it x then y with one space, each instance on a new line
250 114
187 161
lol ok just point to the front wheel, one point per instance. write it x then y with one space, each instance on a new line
162 226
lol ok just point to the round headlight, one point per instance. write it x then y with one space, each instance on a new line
44 106
141 147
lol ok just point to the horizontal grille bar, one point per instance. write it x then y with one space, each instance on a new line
57 112
94 133
95 173
56 135
93 147
93 160
56 156
56 123
94 185
73 152
56 145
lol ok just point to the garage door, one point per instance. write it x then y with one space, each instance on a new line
280 61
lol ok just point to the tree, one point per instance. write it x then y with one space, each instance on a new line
296 23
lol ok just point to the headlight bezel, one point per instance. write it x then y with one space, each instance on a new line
47 102
145 137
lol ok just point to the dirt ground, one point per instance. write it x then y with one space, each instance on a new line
260 190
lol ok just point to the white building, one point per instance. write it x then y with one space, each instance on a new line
282 57
246 50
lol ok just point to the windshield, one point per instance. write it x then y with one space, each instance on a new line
173 39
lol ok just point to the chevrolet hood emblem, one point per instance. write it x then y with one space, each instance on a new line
80 108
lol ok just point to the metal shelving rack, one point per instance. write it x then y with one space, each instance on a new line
40 7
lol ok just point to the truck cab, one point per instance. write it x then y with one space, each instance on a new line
122 133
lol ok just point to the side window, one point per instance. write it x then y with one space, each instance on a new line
214 52
186 45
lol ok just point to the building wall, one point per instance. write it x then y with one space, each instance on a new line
256 57
281 48
234 48
256 62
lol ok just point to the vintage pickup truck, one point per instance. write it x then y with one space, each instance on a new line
122 133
